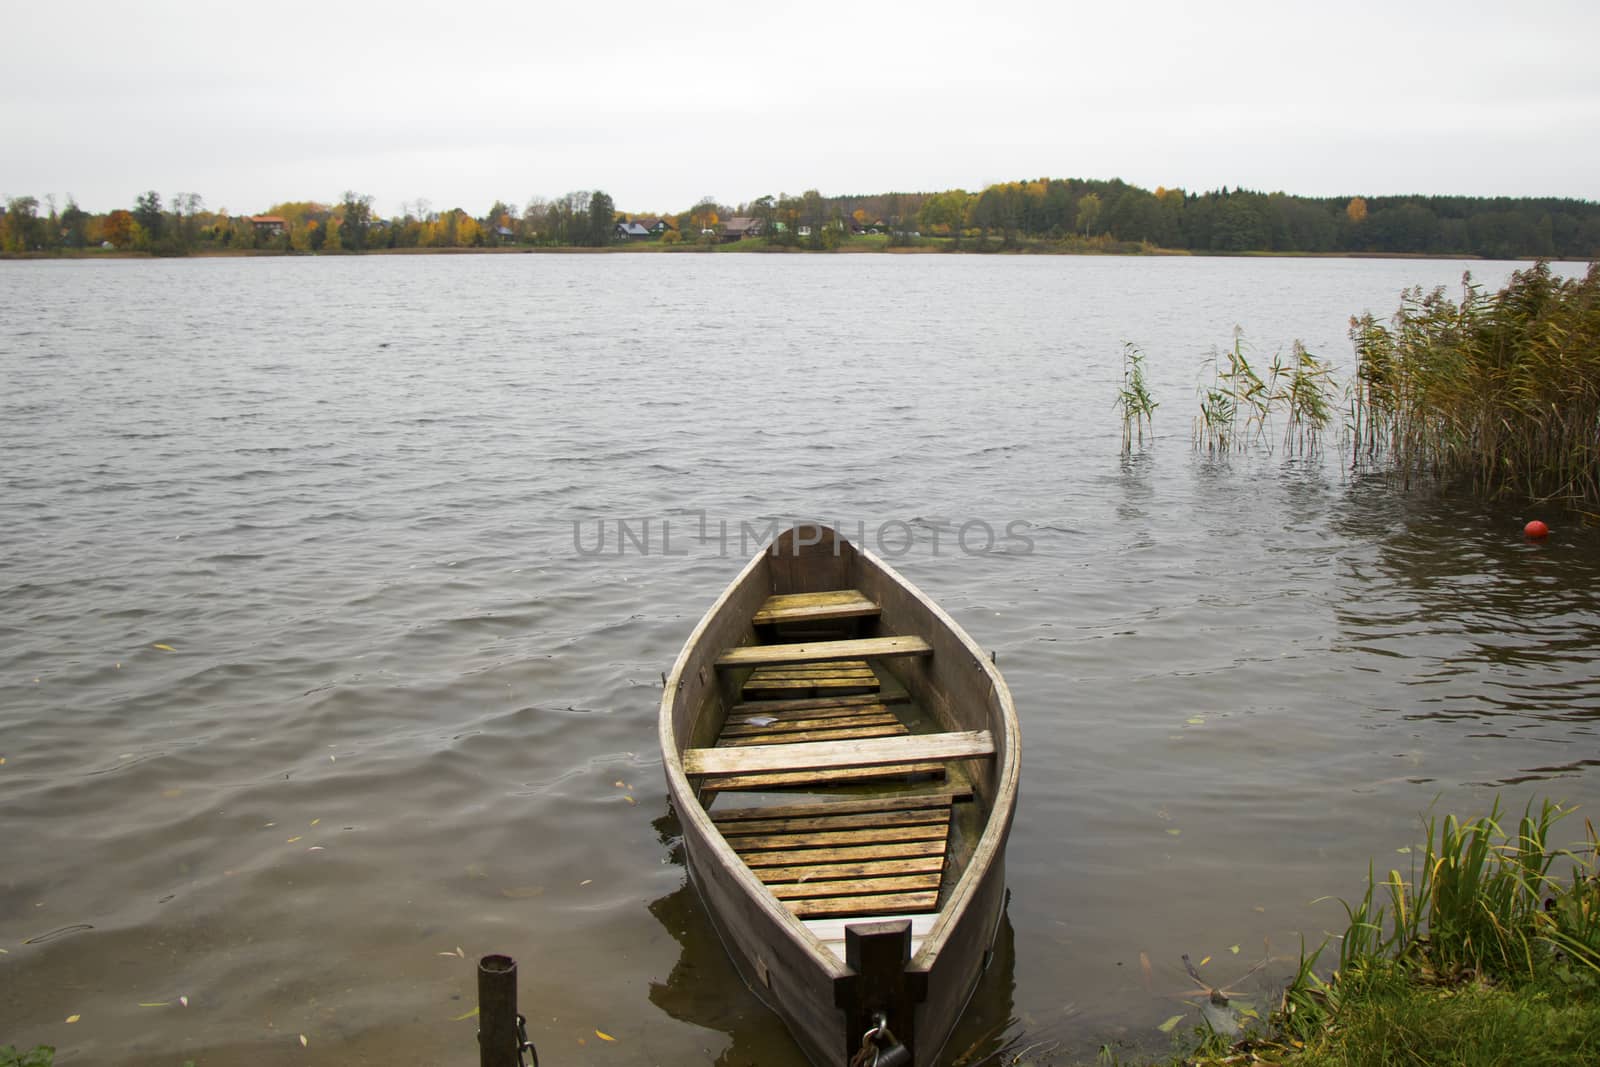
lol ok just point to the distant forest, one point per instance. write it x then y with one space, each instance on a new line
1049 214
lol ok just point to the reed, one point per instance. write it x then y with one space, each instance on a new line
1499 392
1134 399
1238 405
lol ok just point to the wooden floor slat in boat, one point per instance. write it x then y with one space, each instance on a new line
824 651
886 904
847 732
866 820
906 883
847 669
816 607
933 798
800 722
780 688
831 931
844 854
813 779
767 720
783 707
822 872
866 835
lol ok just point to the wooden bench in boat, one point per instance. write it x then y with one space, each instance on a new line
882 856
830 606
831 755
824 651
846 677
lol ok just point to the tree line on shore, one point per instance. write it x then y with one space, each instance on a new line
1043 214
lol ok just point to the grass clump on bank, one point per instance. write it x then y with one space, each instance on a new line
1501 392
1487 953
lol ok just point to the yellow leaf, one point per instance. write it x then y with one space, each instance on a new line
603 1036
1233 949
155 1004
1205 961
1166 1027
293 839
464 1016
164 648
630 800
303 1041
172 794
73 1018
315 821
1174 832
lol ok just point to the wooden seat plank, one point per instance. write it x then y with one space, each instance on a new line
824 651
830 755
815 607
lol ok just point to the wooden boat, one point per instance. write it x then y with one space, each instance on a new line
843 760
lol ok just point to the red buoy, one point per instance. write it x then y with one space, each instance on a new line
1536 530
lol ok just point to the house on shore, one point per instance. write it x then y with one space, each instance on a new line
739 227
632 231
269 225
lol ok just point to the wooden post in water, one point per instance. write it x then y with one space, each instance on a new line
499 1045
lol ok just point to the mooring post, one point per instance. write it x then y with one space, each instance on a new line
499 1044
877 954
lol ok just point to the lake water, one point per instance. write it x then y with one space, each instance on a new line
309 695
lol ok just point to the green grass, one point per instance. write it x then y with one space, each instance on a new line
1486 952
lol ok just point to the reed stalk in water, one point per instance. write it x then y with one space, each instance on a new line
1134 399
1499 392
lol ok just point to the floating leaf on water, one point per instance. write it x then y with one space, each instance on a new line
172 794
1166 1027
315 821
293 839
1175 832
464 1016
164 648
73 1018
586 881
1196 720
184 1000
603 1036
316 848
155 1004
303 1041
1248 1012
1205 961
620 784
1146 973
1404 850
1233 949
630 800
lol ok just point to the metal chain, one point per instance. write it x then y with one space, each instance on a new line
867 1056
523 1044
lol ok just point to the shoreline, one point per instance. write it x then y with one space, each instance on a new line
734 249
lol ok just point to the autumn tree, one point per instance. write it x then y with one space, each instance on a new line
147 213
1356 209
22 224
357 220
1088 218
602 219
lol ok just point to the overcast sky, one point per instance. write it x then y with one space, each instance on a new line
662 103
